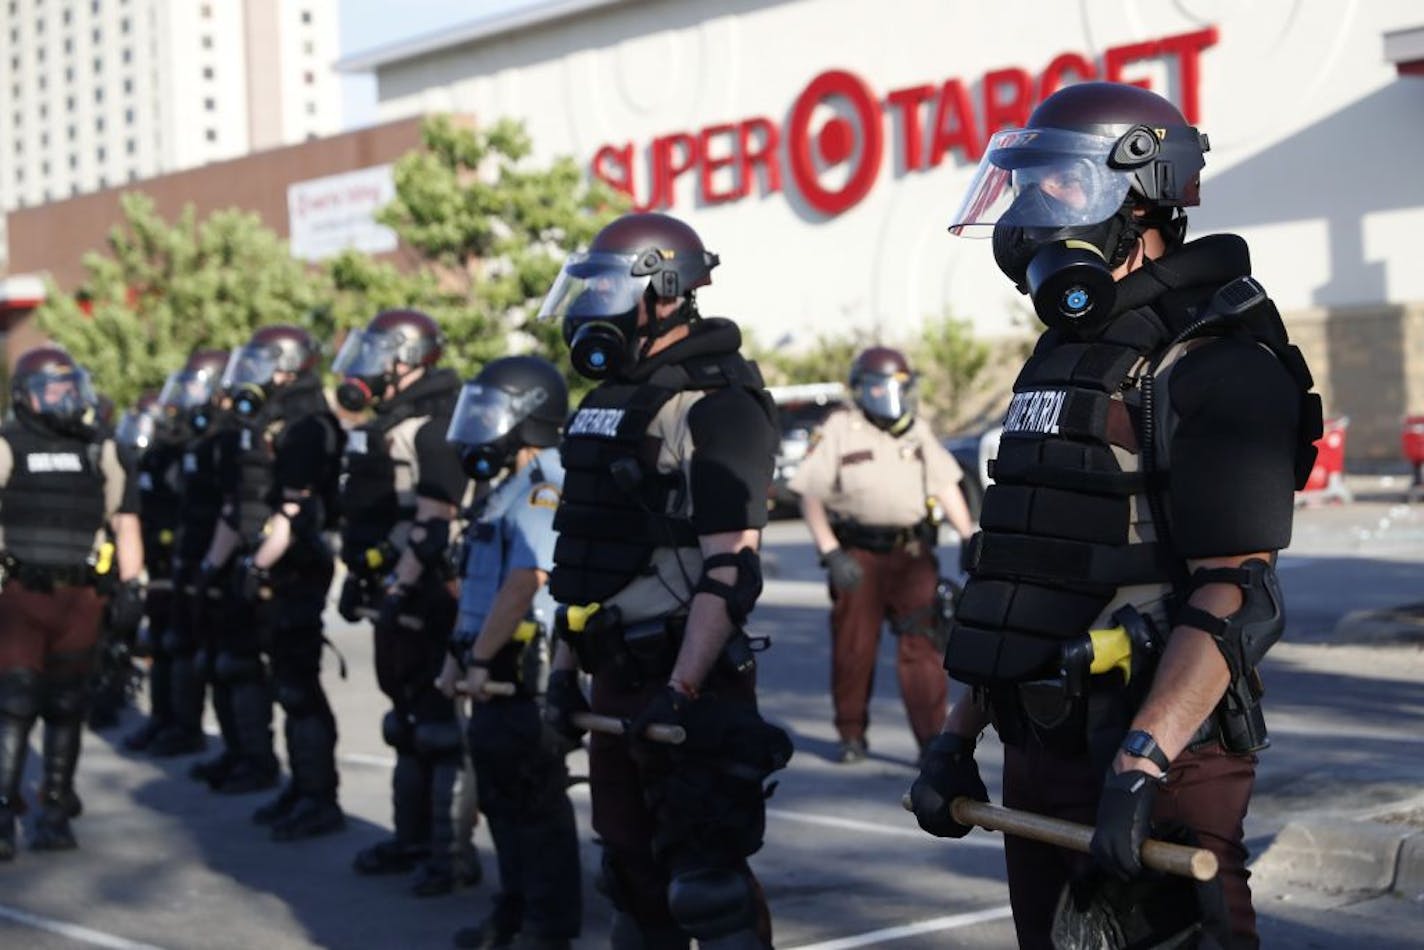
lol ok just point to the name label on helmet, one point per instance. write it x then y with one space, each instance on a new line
1036 411
602 423
53 462
356 442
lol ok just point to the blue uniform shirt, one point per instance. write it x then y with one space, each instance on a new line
515 530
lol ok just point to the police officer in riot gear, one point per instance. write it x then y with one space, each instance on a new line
506 425
1143 485
61 481
291 450
402 489
666 467
874 488
155 442
184 426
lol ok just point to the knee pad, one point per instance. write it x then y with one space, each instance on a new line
299 698
64 698
712 902
20 694
396 732
437 738
237 668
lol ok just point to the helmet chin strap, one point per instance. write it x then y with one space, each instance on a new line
685 315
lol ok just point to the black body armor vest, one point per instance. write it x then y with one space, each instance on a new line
373 508
1071 516
158 503
617 508
201 494
250 445
53 505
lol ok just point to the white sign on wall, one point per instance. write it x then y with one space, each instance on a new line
328 215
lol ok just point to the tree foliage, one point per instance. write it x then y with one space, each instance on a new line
164 288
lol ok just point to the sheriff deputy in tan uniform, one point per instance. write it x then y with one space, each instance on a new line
873 490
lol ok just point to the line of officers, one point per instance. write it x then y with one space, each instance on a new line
500 549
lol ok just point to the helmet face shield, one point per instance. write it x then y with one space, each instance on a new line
60 392
593 286
367 354
136 429
250 366
1042 178
484 414
888 397
187 389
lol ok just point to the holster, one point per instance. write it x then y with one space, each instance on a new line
644 652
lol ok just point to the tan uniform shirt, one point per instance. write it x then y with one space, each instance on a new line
667 589
115 477
862 473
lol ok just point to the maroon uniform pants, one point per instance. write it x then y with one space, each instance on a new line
39 629
619 785
1207 791
898 586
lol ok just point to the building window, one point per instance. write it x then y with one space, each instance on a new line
70 133
311 108
103 182
99 124
210 104
207 72
73 162
207 11
207 42
44 140
211 135
128 87
44 110
15 90
308 77
130 146
40 55
98 36
68 103
44 81
124 25
15 63
19 147
68 16
98 65
128 117
100 154
128 55
19 177
68 45
44 168
94 7
133 174
39 24
99 94
306 17
69 74
308 47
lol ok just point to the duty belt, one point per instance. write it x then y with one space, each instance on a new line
882 539
46 577
643 652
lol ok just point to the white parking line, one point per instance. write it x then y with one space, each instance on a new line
870 827
72 931
933 925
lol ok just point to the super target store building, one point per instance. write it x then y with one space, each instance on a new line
821 145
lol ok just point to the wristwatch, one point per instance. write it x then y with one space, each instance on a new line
1141 745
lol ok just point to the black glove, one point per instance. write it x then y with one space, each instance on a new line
1124 820
249 580
843 568
126 609
353 598
947 771
563 698
667 708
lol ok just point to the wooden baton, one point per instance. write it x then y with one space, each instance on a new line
613 726
1179 859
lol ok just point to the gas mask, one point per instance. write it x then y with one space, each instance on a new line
595 299
1066 271
487 462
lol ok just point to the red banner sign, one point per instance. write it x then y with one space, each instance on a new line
731 160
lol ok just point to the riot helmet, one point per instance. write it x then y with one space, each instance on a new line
139 426
50 388
1068 196
643 257
188 394
370 358
883 387
250 376
514 402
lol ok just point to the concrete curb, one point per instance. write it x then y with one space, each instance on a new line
1372 852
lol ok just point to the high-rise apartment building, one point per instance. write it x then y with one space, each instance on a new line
94 93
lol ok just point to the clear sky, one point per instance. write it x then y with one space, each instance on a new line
367 24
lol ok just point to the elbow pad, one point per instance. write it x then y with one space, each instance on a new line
434 540
1245 636
741 595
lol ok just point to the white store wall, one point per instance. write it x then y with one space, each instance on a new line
1316 141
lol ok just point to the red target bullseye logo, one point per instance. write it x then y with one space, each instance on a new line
835 140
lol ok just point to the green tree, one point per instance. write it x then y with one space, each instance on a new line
163 288
827 359
494 229
950 359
